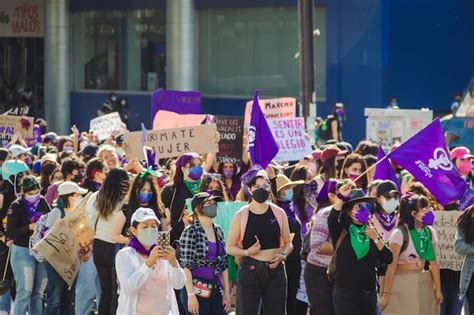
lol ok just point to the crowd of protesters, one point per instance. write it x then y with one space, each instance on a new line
150 254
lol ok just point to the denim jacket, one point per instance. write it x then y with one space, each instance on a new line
468 265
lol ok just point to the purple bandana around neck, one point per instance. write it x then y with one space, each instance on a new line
135 244
388 220
288 207
31 209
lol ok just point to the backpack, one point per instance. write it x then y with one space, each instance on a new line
40 231
325 130
406 237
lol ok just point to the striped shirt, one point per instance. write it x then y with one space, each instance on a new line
319 235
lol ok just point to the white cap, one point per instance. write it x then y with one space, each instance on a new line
144 214
67 188
49 157
17 150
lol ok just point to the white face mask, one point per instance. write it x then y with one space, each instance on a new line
390 205
148 236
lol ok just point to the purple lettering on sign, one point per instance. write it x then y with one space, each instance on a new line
180 102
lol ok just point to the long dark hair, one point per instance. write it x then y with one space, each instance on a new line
408 204
353 158
300 173
46 171
328 169
220 170
155 202
466 225
112 192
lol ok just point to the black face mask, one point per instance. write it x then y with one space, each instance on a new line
216 193
260 195
77 178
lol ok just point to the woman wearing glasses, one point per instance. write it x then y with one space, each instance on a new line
260 235
358 250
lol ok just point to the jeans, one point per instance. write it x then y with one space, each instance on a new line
258 282
59 295
319 290
210 306
450 288
104 260
354 301
31 281
84 293
6 303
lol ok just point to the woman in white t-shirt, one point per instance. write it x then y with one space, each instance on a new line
413 244
147 272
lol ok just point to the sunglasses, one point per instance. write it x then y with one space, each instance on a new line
364 205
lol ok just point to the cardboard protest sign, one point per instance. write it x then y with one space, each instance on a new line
173 142
181 102
67 243
31 141
103 126
290 136
445 226
231 131
165 120
9 125
284 107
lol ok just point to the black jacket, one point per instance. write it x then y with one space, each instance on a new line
174 198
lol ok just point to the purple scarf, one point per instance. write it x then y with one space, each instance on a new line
288 207
135 244
31 209
388 220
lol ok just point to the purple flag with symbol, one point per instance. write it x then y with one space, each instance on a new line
384 170
425 156
262 146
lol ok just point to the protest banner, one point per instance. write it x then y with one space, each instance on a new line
165 120
22 18
290 136
67 242
181 102
9 125
284 107
231 131
103 126
445 227
173 142
31 141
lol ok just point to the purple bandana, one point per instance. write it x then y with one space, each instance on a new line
288 207
388 220
31 208
135 244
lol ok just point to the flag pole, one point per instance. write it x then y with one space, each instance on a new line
370 168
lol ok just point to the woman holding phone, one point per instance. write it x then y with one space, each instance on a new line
147 272
204 259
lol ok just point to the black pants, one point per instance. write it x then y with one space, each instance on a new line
293 274
257 282
354 301
318 289
470 297
104 260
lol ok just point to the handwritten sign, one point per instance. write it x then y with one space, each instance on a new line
290 136
284 107
181 102
65 245
173 142
22 18
445 226
31 141
9 125
231 131
103 126
165 120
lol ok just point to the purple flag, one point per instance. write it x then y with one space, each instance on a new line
175 101
425 156
384 170
262 146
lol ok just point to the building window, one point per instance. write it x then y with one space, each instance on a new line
244 49
119 50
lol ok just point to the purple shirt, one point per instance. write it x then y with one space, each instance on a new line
304 223
207 273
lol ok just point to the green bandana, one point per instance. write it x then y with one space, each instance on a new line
193 187
359 241
422 242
